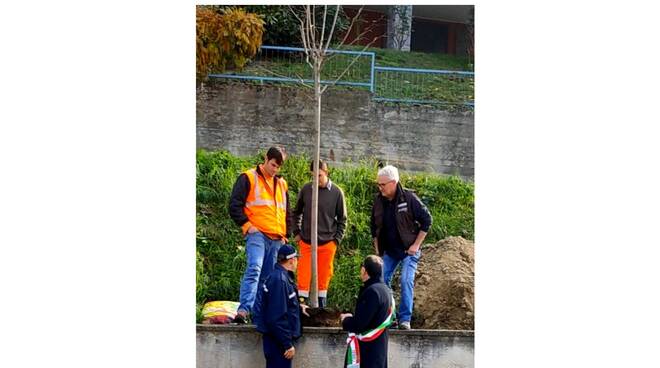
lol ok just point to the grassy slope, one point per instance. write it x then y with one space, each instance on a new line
220 245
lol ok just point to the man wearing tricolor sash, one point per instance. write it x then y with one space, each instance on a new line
374 312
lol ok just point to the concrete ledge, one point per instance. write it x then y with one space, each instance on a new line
240 346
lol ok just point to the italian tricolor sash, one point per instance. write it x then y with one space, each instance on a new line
353 351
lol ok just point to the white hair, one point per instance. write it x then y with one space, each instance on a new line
389 172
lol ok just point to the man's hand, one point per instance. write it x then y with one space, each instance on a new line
290 353
413 249
303 308
344 315
376 245
296 239
252 230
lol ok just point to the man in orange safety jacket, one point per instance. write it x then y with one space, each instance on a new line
259 204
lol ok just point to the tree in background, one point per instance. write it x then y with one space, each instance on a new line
399 30
470 36
226 39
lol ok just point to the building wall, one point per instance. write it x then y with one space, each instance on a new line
461 40
429 34
371 27
243 118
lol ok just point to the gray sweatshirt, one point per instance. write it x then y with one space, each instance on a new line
332 214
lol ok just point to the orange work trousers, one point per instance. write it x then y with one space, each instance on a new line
325 261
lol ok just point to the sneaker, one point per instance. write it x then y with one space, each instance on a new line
404 325
394 325
241 318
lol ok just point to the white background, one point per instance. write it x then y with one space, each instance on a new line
97 184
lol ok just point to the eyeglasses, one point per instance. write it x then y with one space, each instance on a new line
381 185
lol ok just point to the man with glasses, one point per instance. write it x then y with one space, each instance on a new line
330 229
399 224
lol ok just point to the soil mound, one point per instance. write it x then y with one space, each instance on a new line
444 286
321 318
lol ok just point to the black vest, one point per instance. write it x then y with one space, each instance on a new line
405 222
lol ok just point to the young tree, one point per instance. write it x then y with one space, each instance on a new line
316 43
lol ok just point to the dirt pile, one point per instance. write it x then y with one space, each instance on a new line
321 318
444 286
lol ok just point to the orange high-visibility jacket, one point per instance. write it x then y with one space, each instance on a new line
266 210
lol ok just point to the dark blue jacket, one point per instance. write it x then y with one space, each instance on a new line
371 310
276 309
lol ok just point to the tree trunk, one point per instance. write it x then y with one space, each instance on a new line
314 287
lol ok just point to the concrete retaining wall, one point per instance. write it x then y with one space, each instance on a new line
221 346
243 118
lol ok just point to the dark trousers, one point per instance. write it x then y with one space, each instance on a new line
274 354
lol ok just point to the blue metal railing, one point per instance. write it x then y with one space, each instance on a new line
267 67
424 86
387 84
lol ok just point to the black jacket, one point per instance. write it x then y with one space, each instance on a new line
411 216
276 308
371 310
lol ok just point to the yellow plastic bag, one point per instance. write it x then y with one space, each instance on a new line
220 311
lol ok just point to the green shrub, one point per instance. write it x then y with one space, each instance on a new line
220 245
283 28
226 39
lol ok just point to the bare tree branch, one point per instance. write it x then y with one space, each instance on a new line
350 27
332 30
301 80
325 13
310 27
348 67
356 39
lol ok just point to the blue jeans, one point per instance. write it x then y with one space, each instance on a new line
408 268
261 254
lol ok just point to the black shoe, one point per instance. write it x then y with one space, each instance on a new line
240 319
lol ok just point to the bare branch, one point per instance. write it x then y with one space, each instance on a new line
332 30
325 13
349 65
302 35
301 80
310 27
305 41
364 32
294 13
350 27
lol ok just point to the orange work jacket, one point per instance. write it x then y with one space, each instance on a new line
266 210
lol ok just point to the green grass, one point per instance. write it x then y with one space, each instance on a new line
452 90
220 245
419 60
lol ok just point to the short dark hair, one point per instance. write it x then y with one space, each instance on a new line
374 266
277 154
322 165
